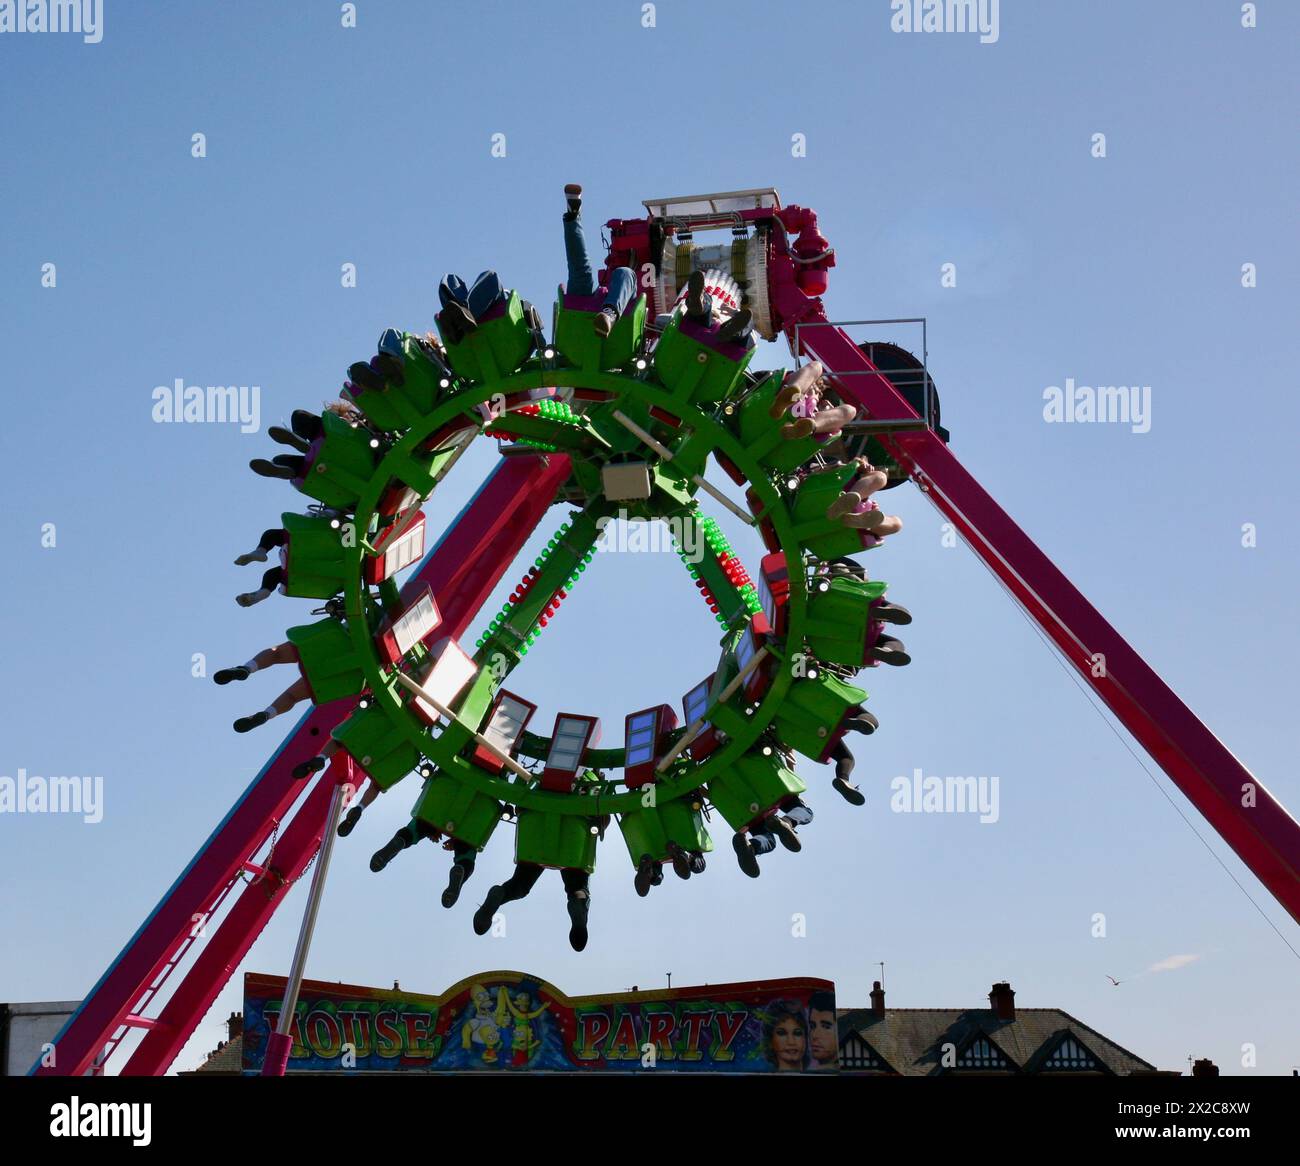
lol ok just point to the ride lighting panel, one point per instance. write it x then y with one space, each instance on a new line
401 552
694 705
644 734
569 740
446 677
505 726
722 203
747 645
419 619
397 499
774 592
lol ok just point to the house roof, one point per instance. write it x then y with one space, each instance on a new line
911 1041
227 1057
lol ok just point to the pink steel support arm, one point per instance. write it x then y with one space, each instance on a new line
463 568
1264 835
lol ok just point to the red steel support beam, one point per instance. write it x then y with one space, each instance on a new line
463 568
1253 822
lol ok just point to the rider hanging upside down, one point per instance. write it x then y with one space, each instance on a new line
306 429
711 299
761 836
463 855
854 506
298 691
464 306
517 886
805 394
276 538
582 279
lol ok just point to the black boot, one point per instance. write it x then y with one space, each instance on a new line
458 322
843 767
888 612
306 425
578 906
315 765
737 326
695 296
786 833
226 675
271 470
389 851
862 722
645 873
483 916
365 377
455 880
890 651
349 822
287 437
745 855
681 861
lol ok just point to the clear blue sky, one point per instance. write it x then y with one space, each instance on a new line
372 146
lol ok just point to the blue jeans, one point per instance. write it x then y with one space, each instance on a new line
799 814
485 294
762 835
582 280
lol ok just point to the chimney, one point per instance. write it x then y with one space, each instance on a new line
877 999
1205 1068
235 1025
1003 1000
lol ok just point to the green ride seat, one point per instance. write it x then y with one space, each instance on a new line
827 538
761 434
458 809
498 346
695 370
839 620
650 830
401 406
557 840
752 787
809 718
340 465
314 562
329 662
368 736
576 339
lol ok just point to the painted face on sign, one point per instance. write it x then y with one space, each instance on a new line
823 1043
789 1041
